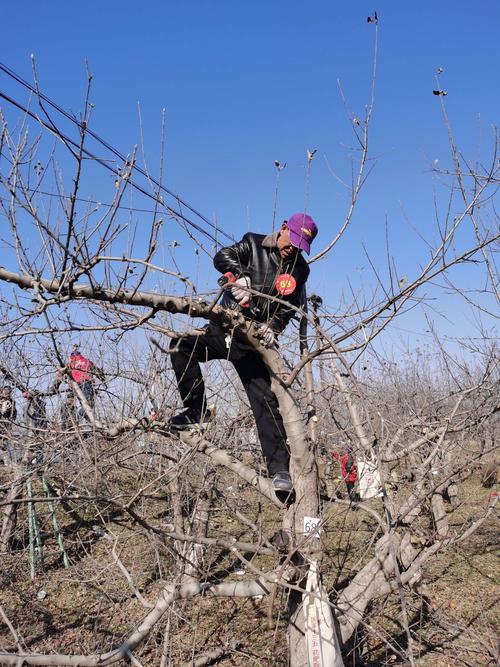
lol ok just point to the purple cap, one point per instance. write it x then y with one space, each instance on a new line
303 231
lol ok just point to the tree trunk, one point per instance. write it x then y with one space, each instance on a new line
306 546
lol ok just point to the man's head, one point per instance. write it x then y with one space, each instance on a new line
297 233
6 391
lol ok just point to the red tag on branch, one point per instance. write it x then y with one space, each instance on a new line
285 284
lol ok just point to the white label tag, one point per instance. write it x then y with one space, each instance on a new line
310 526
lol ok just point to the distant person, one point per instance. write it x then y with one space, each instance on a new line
8 410
35 411
84 372
67 413
8 414
348 471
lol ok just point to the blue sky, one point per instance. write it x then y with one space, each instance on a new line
244 84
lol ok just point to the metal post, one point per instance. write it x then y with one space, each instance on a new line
55 524
35 526
31 530
309 382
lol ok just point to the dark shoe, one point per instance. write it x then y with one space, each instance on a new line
189 418
282 482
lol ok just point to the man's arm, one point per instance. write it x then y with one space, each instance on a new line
234 258
97 372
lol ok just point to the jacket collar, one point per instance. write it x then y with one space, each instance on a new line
271 240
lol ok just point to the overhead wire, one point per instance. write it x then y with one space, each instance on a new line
106 144
85 200
4 68
104 163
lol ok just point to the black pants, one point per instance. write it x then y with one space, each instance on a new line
351 490
186 353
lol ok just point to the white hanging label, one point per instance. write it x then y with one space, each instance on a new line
311 526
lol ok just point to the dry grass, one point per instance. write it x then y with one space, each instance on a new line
90 607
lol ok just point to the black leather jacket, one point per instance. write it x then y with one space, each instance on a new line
257 257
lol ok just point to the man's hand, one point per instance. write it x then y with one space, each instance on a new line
239 290
267 335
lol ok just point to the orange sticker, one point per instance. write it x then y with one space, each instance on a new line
285 284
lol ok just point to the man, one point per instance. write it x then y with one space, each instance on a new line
83 372
274 267
67 413
8 411
348 470
35 414
8 414
35 411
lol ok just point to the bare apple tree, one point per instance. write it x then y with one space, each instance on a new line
172 522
